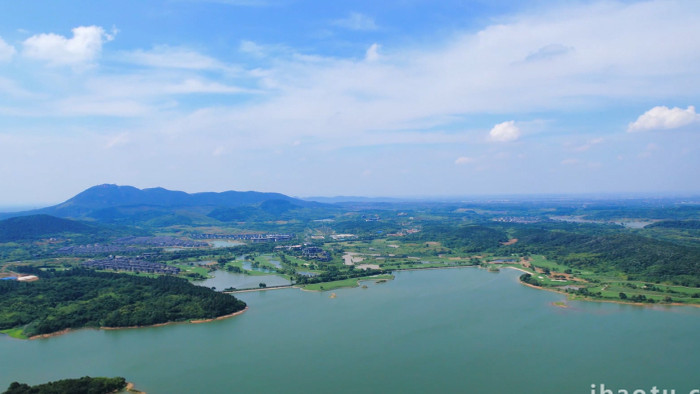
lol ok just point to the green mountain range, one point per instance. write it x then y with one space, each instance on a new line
157 206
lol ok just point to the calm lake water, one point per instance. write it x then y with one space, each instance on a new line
454 330
224 279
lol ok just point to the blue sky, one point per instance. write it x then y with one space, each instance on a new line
391 98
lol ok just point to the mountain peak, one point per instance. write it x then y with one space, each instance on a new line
110 196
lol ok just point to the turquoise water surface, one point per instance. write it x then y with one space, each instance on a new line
452 330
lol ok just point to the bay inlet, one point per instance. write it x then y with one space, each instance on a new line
457 330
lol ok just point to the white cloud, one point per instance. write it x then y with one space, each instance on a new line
83 47
164 56
465 160
7 51
11 88
153 84
664 118
505 132
372 53
337 102
588 145
356 21
615 57
252 48
90 106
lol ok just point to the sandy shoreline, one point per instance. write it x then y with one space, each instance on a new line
130 389
67 330
521 270
219 318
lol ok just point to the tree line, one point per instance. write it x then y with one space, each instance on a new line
84 385
83 298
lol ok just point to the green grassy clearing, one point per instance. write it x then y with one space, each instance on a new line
610 285
14 333
351 282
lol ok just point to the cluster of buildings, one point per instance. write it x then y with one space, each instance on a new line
132 264
246 237
404 232
167 242
315 253
128 244
94 249
517 219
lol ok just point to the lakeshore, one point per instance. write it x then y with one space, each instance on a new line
131 388
593 299
430 330
191 321
354 284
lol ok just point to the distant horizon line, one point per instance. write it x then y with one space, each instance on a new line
20 206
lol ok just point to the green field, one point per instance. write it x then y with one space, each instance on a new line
351 282
14 333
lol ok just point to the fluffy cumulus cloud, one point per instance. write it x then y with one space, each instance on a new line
505 132
83 47
575 58
6 51
664 118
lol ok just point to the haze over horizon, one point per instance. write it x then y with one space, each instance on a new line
693 198
398 98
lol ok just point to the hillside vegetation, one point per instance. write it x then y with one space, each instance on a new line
39 226
84 385
639 257
82 298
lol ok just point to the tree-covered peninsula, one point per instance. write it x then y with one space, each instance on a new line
80 298
84 385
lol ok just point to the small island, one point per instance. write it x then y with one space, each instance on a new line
80 298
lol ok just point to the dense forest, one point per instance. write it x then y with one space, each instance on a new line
678 224
38 226
83 298
467 239
639 257
84 385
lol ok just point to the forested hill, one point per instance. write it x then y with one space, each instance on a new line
40 226
103 197
84 385
677 224
127 205
637 256
82 298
